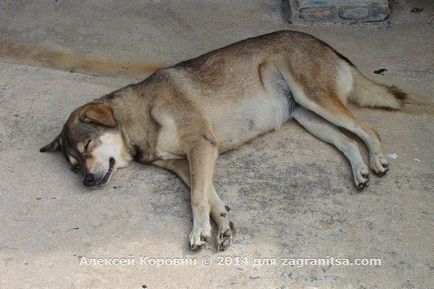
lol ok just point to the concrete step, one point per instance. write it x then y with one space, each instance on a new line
336 11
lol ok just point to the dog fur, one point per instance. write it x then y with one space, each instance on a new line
181 117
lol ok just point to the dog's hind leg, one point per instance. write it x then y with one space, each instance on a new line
329 133
219 211
341 116
323 99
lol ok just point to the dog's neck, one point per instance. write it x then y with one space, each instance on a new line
132 110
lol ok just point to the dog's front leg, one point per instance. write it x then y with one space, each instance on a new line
219 211
201 154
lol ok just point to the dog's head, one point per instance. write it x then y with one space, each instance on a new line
92 142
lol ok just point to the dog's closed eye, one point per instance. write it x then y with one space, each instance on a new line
86 146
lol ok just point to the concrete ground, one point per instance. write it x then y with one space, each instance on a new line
291 195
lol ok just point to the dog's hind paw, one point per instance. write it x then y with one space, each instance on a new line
224 237
379 164
361 177
362 185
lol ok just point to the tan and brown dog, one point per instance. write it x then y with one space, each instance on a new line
180 118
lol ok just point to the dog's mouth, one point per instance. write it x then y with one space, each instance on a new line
109 173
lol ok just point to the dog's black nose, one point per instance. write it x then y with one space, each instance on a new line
89 180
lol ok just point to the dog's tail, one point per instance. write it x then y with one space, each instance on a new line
368 93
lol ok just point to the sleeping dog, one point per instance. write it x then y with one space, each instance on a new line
181 117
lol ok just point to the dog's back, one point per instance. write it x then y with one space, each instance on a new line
243 88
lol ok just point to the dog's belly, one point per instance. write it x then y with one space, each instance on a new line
238 110
235 124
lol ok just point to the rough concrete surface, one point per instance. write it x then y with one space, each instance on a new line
291 195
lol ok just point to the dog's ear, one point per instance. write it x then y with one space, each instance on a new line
52 146
99 113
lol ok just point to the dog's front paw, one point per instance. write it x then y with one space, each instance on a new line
200 237
224 236
361 176
379 164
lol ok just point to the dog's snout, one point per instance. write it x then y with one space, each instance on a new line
89 180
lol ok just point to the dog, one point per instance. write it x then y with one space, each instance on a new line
181 117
